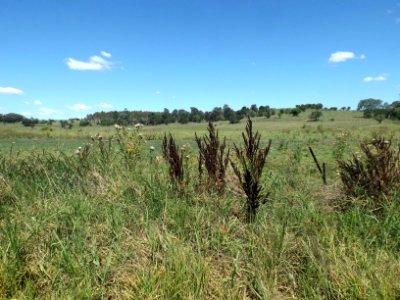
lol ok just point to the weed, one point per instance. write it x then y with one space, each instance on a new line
212 155
341 144
175 160
252 161
376 174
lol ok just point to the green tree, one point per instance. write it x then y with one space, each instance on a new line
369 106
315 115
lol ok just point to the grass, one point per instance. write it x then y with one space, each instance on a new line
108 227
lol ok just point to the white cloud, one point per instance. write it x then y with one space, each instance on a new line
44 111
36 102
105 54
10 90
27 114
104 105
95 63
382 77
158 92
80 107
341 56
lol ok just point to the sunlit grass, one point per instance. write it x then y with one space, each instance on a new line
112 226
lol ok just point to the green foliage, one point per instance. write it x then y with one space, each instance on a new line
78 222
315 115
379 118
30 122
84 123
369 105
12 118
341 144
295 112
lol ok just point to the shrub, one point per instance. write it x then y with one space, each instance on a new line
212 155
315 116
295 112
251 161
30 122
376 174
379 118
131 144
84 123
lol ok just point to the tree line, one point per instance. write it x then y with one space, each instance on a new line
379 110
372 108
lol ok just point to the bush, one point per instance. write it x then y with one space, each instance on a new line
379 118
315 116
84 123
376 174
30 122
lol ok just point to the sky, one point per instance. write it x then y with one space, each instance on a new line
63 59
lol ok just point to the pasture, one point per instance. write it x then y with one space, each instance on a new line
105 221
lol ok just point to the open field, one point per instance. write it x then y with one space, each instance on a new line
110 224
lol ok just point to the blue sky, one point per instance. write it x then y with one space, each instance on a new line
64 59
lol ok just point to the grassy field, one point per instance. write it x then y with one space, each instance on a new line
110 224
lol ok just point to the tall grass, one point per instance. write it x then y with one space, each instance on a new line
85 226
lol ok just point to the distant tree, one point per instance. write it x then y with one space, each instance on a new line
12 118
66 124
84 122
370 106
216 115
265 111
233 118
30 122
166 117
229 113
315 115
196 115
243 112
183 116
254 108
295 112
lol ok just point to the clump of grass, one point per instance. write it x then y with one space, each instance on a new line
174 159
376 174
213 156
252 161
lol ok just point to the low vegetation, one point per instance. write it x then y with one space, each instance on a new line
122 213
